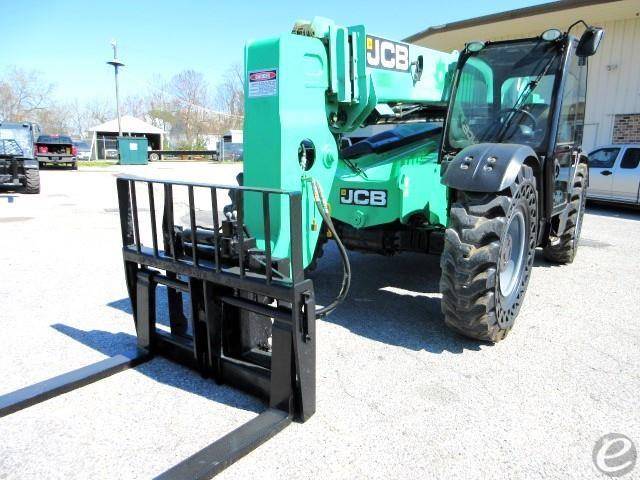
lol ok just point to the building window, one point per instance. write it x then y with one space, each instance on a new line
626 128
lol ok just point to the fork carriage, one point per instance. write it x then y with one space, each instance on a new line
250 319
252 316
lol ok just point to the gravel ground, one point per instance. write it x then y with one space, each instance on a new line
398 394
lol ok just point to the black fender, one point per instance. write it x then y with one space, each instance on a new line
487 167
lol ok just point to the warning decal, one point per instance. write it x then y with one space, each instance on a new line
263 83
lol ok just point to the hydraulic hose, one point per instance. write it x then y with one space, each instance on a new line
318 198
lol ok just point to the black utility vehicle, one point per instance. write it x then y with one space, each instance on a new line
18 166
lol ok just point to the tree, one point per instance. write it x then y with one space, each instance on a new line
56 118
135 105
99 110
78 118
190 91
183 106
160 108
230 98
23 93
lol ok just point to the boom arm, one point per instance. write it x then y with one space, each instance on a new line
302 91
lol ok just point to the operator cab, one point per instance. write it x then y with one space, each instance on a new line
528 92
505 94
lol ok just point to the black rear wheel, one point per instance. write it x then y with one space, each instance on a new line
488 257
564 248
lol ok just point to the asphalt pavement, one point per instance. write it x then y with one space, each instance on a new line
398 394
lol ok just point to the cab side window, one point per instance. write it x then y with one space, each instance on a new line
603 158
631 158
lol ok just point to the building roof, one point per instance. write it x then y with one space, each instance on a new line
129 125
558 11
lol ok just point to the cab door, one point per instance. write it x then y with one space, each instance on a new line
570 128
626 176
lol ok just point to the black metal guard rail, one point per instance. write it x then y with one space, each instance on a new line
210 185
130 223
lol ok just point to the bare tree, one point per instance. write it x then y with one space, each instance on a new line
160 108
22 94
190 91
135 105
99 110
78 119
183 106
230 97
56 118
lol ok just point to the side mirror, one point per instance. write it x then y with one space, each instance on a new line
589 41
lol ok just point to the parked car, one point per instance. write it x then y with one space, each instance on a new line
83 149
56 149
614 174
111 153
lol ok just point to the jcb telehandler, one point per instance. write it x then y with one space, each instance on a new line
381 147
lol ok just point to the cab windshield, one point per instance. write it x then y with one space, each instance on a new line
504 95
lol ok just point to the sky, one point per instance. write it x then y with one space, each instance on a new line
69 41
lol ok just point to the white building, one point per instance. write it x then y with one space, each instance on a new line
613 90
233 136
104 136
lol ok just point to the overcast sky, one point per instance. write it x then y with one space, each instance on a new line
69 41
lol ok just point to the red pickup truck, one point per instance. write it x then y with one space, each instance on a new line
56 149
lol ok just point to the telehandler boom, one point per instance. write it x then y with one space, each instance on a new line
380 146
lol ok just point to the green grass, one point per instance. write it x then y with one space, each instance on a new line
97 163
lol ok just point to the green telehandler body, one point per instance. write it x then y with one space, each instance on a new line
475 156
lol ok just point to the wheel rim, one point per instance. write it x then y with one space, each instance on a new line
512 255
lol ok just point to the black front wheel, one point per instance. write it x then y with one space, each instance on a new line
32 181
488 257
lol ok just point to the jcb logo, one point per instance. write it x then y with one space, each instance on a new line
383 53
372 198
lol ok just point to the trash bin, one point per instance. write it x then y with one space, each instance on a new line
133 150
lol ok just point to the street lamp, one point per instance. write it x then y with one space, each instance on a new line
116 64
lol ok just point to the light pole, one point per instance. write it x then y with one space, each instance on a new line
116 64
